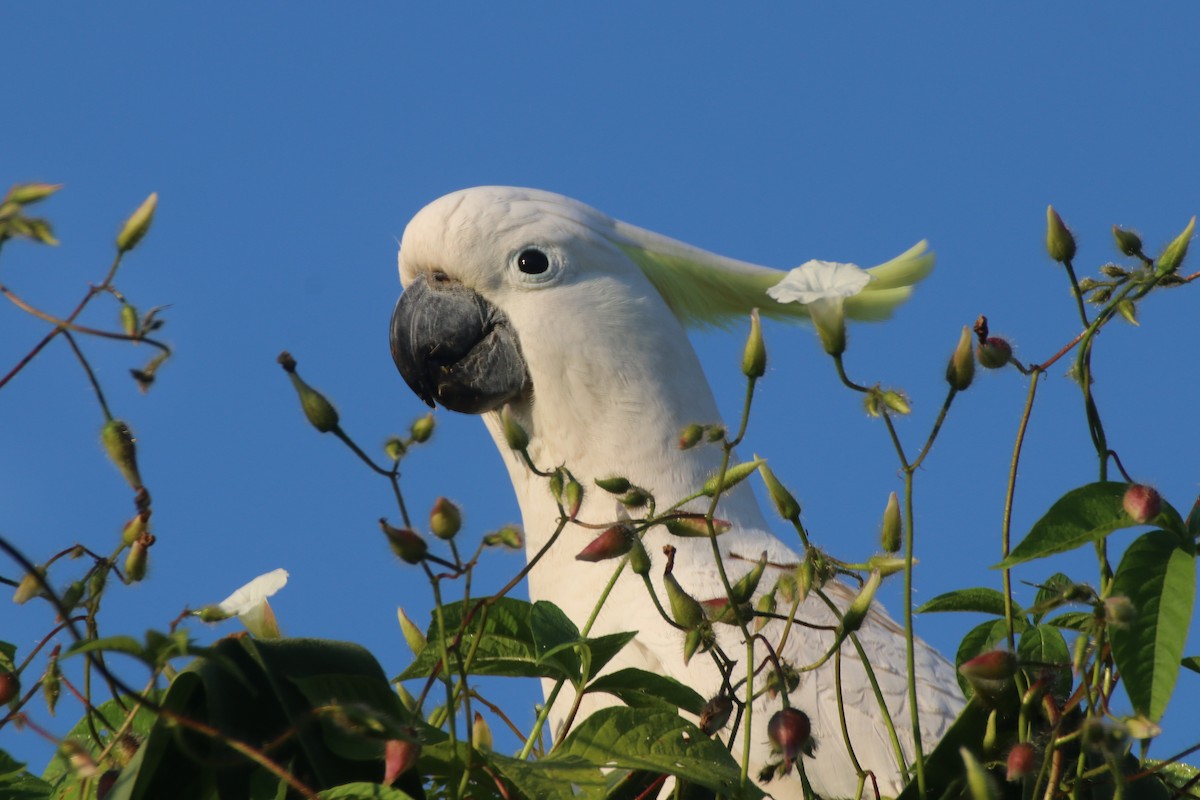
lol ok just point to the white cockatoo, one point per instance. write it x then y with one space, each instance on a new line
575 322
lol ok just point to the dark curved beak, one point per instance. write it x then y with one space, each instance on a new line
455 348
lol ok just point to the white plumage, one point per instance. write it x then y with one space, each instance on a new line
611 380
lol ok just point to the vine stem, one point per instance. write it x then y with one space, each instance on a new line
1006 524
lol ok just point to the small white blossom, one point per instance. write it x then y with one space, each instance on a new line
823 286
249 604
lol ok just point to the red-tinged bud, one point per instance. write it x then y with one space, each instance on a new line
1142 503
394 448
138 558
317 409
1128 242
960 371
445 520
422 429
715 714
694 526
129 319
719 609
789 731
10 687
29 587
785 503
1174 253
412 634
121 447
639 559
515 435
995 665
405 543
1021 761
138 223
481 734
613 485
572 498
892 533
134 529
1060 243
993 352
754 358
612 543
690 436
399 756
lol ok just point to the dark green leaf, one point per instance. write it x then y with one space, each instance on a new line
1050 594
17 783
1043 648
661 741
1193 520
552 778
1158 575
1073 620
638 688
8 658
363 791
109 644
1082 515
1192 663
979 599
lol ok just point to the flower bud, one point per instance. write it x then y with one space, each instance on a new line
129 319
743 590
892 532
394 448
481 734
514 434
1141 728
765 606
412 634
422 429
690 436
1111 271
556 485
445 519
715 714
509 536
320 412
10 687
789 731
994 665
1020 761
698 640
896 401
961 369
405 543
1128 311
612 543
784 502
1174 253
732 477
634 498
993 352
694 526
29 587
1142 503
1119 612
613 485
120 445
639 559
714 433
754 358
1060 243
852 620
887 565
399 755
572 498
138 223
1128 242
138 558
27 193
685 610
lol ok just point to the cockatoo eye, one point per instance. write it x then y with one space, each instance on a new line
532 261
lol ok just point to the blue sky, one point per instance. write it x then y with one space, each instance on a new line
290 143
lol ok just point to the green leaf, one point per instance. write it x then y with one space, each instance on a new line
8 658
552 778
1073 620
109 644
1192 663
1193 520
17 783
1043 646
1158 575
660 741
979 599
59 772
640 689
1050 594
1083 515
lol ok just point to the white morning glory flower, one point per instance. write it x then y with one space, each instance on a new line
823 287
249 604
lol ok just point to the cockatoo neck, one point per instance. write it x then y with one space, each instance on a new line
603 412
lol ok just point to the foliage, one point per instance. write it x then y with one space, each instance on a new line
266 717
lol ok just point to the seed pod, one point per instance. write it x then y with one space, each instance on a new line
481 734
743 590
698 640
993 353
1128 242
405 543
394 448
690 436
634 498
694 526
784 502
120 445
961 369
412 634
639 559
614 485
134 529
612 543
320 412
789 731
852 620
138 223
129 319
515 435
138 558
733 476
1020 762
422 429
754 357
1060 243
1174 253
572 498
685 610
896 401
994 665
10 687
715 714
